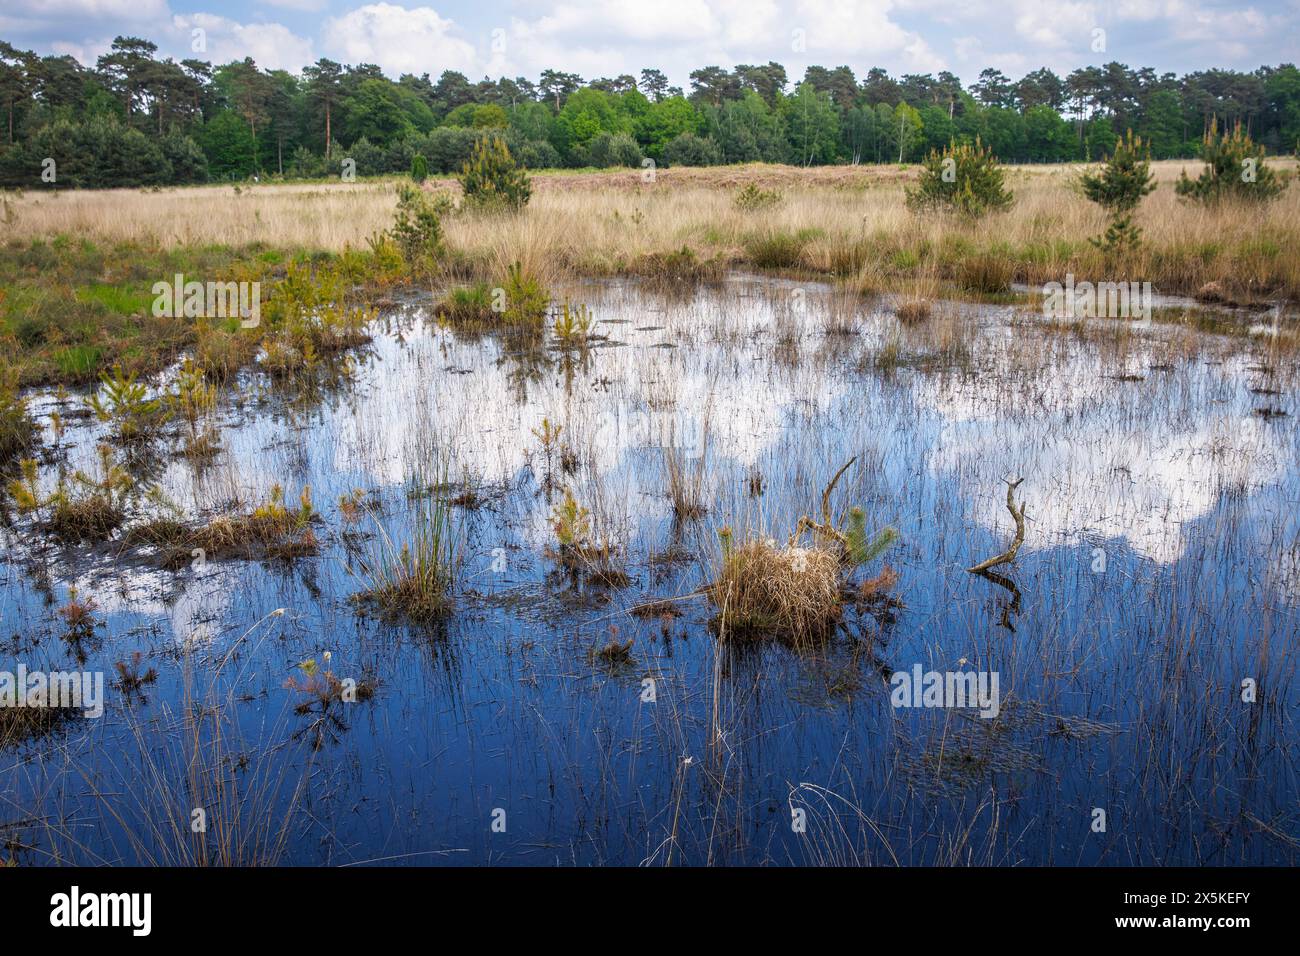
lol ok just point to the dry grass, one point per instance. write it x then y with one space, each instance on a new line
763 589
850 221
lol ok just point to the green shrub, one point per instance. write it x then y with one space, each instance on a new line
1234 171
539 154
417 230
614 149
687 149
419 168
448 148
100 152
526 298
1118 188
752 197
964 178
492 178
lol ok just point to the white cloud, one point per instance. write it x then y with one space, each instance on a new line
596 38
662 21
46 24
1052 24
304 6
271 45
400 40
135 10
88 52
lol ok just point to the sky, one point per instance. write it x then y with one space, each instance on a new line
597 38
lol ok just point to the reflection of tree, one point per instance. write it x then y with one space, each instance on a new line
527 362
572 360
1008 608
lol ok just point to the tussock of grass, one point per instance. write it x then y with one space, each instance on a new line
777 249
22 725
90 518
271 530
414 583
985 273
685 483
277 530
913 311
763 589
615 655
680 265
468 305
157 532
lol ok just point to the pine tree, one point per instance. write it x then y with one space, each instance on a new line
1119 188
1234 170
964 178
492 178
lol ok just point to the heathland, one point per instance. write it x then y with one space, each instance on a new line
85 261
589 517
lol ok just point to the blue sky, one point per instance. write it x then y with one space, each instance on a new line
608 37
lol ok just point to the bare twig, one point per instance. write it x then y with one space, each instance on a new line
1018 513
827 527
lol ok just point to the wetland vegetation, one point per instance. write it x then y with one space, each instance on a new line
592 518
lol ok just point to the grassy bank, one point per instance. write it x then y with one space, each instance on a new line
74 307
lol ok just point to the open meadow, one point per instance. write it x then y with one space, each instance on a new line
845 222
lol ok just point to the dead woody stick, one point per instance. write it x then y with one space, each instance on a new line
827 527
1018 513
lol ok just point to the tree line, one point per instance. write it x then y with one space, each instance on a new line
136 119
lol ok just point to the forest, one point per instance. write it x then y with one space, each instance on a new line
138 119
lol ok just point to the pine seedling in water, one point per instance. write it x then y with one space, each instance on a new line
571 522
861 549
573 326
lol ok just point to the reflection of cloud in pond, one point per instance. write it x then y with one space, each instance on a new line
1103 458
1138 477
1283 573
195 611
651 397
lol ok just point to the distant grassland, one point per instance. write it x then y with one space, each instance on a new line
77 267
844 220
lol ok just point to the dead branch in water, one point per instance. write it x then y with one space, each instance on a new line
827 527
1018 513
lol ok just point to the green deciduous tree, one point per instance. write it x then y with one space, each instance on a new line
813 126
